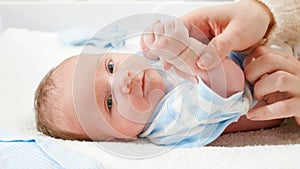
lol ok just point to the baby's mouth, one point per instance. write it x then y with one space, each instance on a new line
143 83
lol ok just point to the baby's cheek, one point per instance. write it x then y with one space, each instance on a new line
127 128
139 104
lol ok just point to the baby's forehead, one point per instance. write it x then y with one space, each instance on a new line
66 65
116 55
67 68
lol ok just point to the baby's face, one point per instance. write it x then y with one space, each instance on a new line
127 90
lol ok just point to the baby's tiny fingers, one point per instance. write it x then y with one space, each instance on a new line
142 43
169 26
166 64
148 36
146 50
159 30
147 54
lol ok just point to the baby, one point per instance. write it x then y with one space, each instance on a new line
136 99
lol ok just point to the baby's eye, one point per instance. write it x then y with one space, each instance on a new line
109 102
110 66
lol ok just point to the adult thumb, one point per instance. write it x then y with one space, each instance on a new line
222 44
217 49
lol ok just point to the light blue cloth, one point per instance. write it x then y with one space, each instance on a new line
193 115
109 37
36 152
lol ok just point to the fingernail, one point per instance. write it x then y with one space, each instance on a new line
205 61
251 115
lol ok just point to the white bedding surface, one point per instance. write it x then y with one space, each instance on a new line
26 56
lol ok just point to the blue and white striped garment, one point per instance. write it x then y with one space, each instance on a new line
192 115
23 151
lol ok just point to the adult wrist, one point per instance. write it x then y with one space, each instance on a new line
263 12
286 27
269 14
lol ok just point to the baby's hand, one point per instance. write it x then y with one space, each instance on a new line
165 40
170 42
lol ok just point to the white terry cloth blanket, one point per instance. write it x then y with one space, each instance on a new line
26 56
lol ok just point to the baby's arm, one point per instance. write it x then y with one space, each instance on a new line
225 79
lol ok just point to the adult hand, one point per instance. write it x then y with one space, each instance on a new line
276 79
234 26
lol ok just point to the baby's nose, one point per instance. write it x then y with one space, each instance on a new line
126 83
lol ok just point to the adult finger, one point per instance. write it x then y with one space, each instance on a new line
279 81
197 33
277 96
209 58
268 63
280 109
261 50
223 43
196 22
